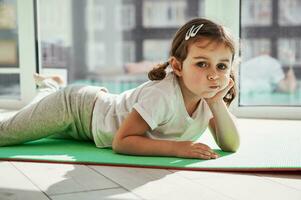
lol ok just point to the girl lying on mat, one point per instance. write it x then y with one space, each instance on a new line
162 117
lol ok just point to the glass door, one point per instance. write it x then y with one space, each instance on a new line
17 53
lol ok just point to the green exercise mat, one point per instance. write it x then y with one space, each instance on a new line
258 152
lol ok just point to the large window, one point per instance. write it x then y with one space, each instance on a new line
111 43
114 43
271 53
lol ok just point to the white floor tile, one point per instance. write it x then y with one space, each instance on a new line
195 175
108 194
292 180
248 187
64 178
14 185
157 184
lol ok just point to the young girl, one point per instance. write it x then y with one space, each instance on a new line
162 117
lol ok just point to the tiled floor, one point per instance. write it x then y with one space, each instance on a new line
39 181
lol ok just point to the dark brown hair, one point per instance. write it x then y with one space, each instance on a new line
179 48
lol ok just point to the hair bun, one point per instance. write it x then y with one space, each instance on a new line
156 74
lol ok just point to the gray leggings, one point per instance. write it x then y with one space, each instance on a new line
64 113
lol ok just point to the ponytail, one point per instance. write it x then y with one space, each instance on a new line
158 73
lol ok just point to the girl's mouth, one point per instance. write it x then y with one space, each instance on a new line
214 87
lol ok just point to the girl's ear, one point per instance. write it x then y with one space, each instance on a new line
176 66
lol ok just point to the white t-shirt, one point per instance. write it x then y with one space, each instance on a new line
160 104
260 74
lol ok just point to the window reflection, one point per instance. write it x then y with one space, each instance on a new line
271 44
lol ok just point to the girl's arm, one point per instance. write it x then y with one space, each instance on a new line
130 139
223 128
222 125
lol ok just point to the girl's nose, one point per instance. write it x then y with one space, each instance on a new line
212 76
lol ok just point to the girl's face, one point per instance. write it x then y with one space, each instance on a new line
206 69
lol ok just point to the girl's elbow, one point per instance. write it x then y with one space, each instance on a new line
116 145
231 148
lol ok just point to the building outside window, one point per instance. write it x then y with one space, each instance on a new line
164 13
125 17
289 13
256 13
109 39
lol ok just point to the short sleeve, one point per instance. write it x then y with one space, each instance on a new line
154 106
277 73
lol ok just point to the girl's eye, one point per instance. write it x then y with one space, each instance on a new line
202 64
222 66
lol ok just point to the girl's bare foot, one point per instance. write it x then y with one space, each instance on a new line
39 79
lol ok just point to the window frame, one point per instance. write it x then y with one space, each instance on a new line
27 56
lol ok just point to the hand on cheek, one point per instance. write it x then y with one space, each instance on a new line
221 94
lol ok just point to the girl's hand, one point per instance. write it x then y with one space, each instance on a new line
221 94
188 149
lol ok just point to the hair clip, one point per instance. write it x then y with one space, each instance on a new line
193 31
